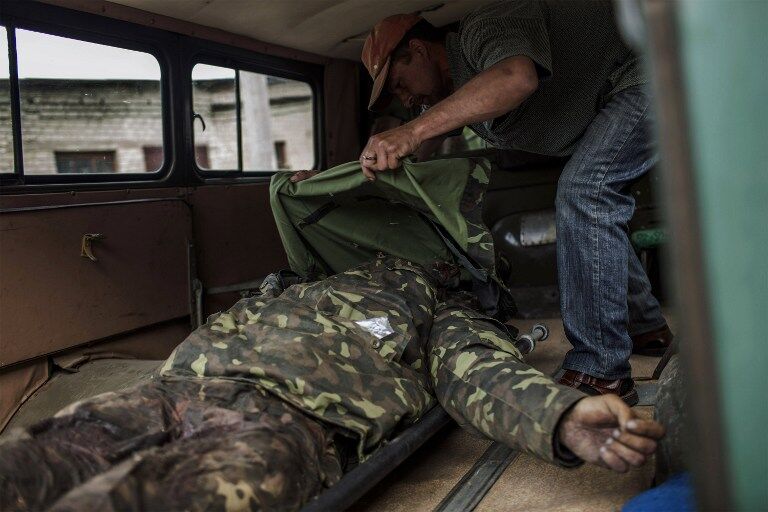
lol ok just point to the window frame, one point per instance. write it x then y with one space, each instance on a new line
13 175
215 54
99 30
176 54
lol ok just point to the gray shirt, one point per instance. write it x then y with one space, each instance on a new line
579 56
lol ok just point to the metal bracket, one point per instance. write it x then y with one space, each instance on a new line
86 251
197 290
467 494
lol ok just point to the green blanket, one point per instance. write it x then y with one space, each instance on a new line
337 219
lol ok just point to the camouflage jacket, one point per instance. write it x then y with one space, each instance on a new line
310 346
358 350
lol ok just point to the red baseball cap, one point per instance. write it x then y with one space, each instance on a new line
378 47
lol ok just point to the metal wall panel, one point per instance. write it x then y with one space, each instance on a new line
236 237
724 55
53 298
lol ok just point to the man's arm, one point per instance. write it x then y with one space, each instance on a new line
492 93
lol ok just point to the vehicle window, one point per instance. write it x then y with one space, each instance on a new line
83 162
248 121
87 108
6 131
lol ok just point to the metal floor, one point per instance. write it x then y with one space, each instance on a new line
528 484
92 378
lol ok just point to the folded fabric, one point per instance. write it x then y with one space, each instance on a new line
338 219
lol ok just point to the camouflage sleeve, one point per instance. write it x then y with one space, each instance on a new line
480 379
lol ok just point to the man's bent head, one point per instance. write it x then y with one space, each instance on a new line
405 56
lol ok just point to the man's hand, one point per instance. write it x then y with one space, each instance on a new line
603 430
492 93
385 150
302 175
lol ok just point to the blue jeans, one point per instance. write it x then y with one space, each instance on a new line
605 296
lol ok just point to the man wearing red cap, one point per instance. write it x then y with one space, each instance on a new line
551 78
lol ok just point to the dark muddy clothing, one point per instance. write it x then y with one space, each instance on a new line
249 411
190 444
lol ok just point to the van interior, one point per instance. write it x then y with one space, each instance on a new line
135 175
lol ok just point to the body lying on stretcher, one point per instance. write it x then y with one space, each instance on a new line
268 403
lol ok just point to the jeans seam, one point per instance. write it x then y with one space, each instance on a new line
594 231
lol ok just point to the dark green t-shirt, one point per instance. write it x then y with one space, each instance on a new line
579 56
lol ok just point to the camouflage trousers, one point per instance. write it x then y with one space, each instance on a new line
164 445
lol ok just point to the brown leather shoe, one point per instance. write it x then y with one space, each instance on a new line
590 385
652 343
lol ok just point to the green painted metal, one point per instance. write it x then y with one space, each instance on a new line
648 238
724 52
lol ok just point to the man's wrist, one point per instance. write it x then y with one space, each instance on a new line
565 457
419 130
430 124
563 454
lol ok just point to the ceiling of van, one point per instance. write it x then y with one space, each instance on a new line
335 28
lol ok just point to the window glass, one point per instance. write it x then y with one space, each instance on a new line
82 162
6 131
275 121
87 108
214 104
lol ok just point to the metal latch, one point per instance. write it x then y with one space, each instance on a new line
85 248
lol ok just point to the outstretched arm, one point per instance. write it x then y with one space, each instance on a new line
479 378
492 93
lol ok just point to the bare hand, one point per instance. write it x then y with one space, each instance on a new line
603 430
385 150
302 175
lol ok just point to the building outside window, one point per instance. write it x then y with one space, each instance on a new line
78 97
272 116
85 162
89 108
153 157
280 155
6 133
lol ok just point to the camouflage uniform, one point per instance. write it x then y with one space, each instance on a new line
170 444
250 410
480 379
671 410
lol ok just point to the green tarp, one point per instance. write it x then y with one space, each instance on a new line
338 219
